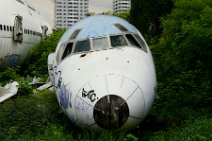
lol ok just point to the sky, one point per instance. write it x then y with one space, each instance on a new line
98 6
46 7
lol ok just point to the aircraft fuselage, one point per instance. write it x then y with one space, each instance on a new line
103 74
21 28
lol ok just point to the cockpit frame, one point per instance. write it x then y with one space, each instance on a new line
73 46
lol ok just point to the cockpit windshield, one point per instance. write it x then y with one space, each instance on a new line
82 46
100 43
117 40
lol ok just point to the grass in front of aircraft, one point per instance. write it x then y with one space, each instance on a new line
38 117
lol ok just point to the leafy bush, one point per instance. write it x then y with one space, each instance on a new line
146 15
37 64
25 89
123 15
183 54
10 74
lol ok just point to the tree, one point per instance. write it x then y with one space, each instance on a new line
146 15
124 15
186 45
37 64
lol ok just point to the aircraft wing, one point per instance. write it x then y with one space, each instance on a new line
8 90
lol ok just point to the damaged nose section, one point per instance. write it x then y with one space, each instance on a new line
111 112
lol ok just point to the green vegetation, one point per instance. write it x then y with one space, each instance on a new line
38 117
37 65
146 15
183 65
9 74
123 15
180 40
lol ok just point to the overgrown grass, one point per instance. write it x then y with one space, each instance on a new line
198 129
38 117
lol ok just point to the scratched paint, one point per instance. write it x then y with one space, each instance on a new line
84 115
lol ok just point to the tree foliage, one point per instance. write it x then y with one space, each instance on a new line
124 15
146 14
8 75
184 53
37 65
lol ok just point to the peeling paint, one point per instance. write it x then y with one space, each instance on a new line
10 60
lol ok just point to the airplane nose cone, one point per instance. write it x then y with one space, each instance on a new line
111 112
109 101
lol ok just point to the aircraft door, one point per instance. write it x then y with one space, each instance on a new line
44 31
18 29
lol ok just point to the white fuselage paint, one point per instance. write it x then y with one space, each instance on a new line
83 79
13 52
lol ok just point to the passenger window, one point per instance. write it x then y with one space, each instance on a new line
82 46
100 43
0 27
117 41
141 41
67 51
132 40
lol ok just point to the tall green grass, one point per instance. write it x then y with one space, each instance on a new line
37 117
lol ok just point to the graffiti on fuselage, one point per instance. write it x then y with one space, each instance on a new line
64 97
90 95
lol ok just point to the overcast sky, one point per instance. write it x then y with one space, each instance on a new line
100 5
46 7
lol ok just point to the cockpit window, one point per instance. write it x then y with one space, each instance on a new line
132 40
60 52
67 50
82 46
117 40
141 41
100 43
